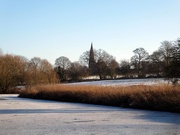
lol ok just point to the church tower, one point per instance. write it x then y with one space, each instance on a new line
91 59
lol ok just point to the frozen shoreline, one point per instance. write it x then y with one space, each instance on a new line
27 116
124 82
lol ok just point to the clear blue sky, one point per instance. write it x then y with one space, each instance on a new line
52 28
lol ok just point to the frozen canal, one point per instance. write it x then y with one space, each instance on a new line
20 116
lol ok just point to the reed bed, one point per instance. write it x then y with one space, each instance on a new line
151 97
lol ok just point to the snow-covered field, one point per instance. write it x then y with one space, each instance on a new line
20 116
124 82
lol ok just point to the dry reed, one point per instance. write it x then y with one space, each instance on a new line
151 97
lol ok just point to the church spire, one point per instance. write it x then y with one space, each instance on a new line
91 58
91 47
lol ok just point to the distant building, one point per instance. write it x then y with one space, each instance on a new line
92 63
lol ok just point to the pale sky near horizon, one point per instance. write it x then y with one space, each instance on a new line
52 28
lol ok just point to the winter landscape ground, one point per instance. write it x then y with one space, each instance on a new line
125 82
149 94
19 116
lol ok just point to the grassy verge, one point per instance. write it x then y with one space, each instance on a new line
161 98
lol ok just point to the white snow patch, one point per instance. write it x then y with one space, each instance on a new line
124 82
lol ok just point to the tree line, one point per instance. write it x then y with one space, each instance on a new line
18 70
164 62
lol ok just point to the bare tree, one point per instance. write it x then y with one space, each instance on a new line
12 69
140 54
77 71
102 55
102 69
40 71
34 76
172 71
124 68
113 67
48 72
62 65
23 65
166 50
84 59
63 62
105 64
156 65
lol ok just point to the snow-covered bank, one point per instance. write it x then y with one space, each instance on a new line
27 116
124 82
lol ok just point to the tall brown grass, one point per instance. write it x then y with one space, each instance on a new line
151 97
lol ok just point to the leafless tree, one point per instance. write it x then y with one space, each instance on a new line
102 55
76 72
124 68
156 65
62 65
12 69
166 50
105 64
102 69
48 72
63 62
172 70
140 54
33 73
40 71
113 67
84 59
